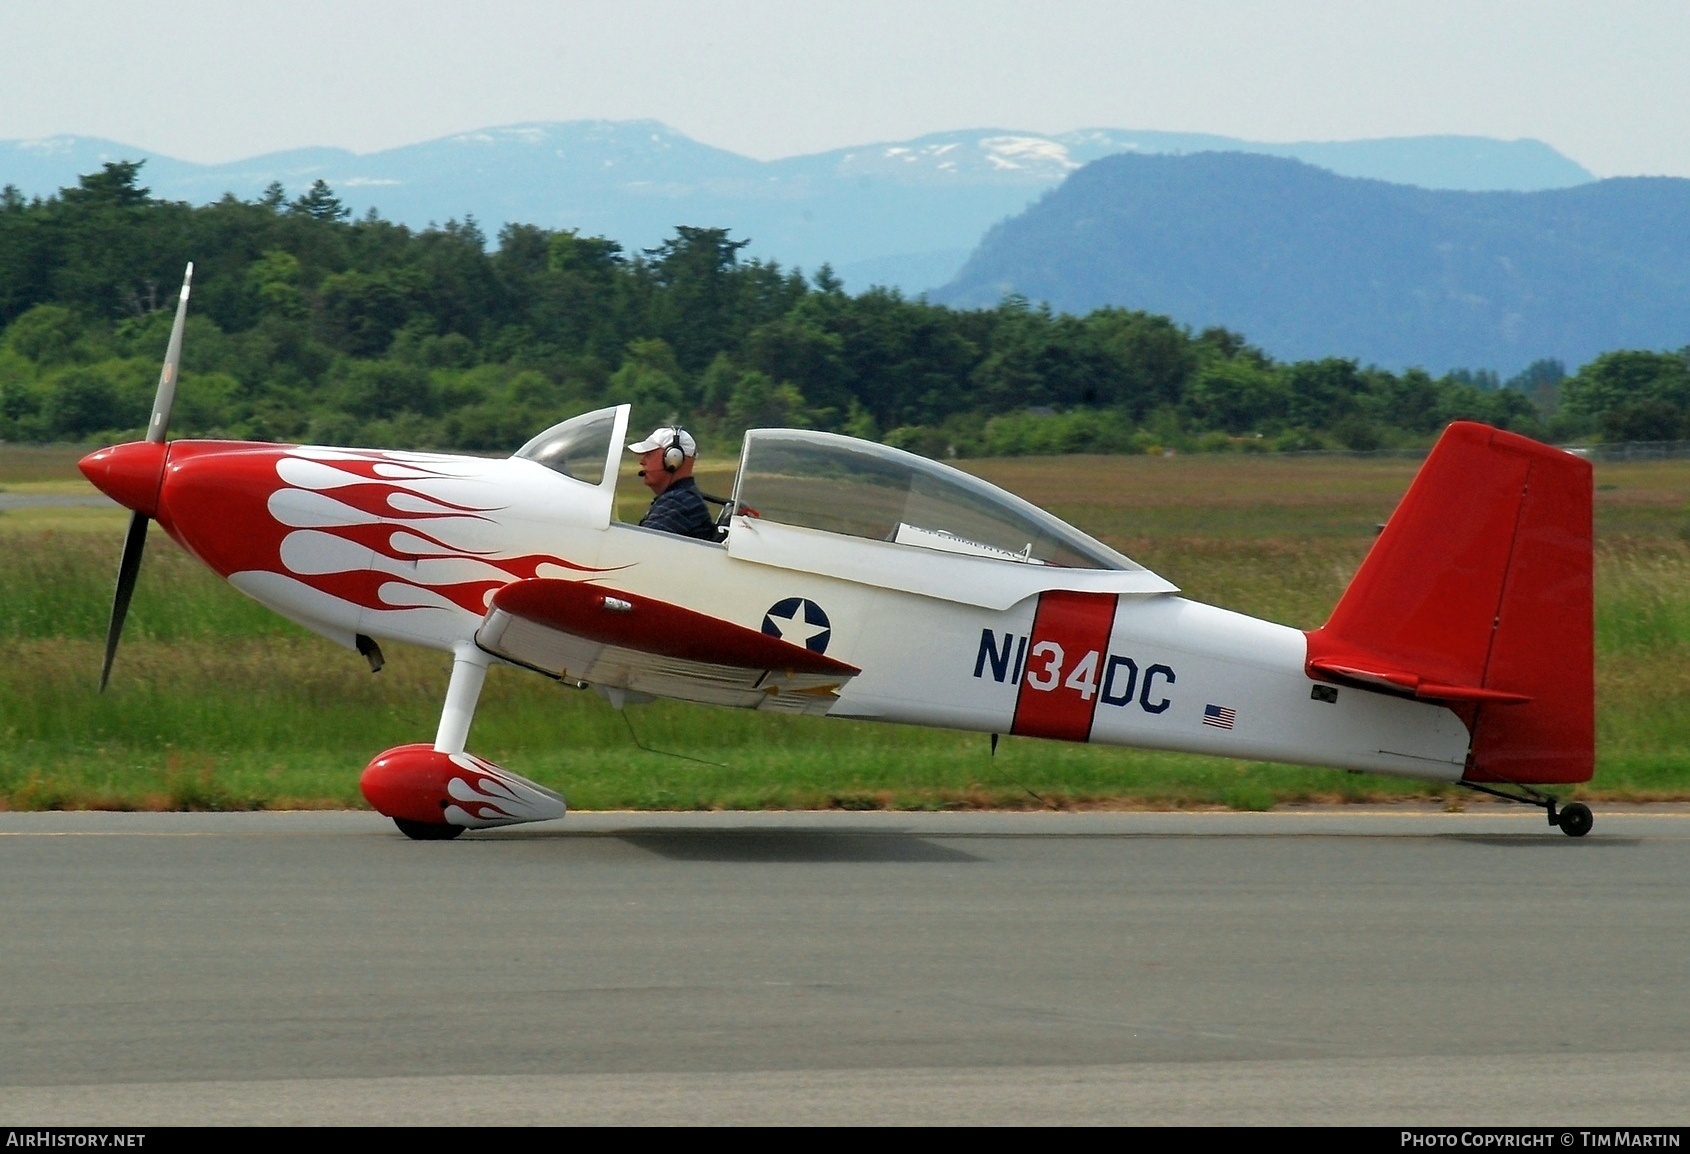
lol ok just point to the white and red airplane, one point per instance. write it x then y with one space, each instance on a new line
855 580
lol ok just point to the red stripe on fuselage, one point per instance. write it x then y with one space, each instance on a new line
1065 660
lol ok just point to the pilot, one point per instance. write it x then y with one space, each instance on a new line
666 461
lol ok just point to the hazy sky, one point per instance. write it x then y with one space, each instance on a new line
1606 82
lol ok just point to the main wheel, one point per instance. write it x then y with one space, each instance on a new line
430 831
1575 819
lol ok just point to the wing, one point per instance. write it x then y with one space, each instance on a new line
585 632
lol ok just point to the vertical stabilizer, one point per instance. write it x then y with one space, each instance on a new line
1478 594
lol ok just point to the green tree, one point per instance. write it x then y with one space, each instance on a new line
376 390
274 280
693 309
650 380
1150 359
1323 392
1632 396
1237 396
798 347
319 203
85 399
362 311
46 334
116 185
593 258
761 403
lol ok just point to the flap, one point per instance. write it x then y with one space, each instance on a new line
606 637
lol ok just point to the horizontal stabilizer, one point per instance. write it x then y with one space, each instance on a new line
619 640
1397 679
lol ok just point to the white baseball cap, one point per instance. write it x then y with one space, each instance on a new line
664 436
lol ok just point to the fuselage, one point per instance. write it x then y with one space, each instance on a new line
410 547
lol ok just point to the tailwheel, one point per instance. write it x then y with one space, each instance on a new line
439 831
1575 819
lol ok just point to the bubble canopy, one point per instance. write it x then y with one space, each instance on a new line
580 448
856 488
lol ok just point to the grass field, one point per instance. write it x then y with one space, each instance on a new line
215 703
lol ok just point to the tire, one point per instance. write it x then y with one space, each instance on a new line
1575 819
427 830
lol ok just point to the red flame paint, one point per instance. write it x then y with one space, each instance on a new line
217 506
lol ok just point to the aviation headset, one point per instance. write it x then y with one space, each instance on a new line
673 455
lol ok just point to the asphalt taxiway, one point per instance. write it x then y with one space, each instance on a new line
1395 966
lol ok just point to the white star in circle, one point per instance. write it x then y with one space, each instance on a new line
795 629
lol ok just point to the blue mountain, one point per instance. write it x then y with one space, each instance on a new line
903 213
1307 263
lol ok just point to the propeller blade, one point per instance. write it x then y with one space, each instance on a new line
165 399
135 542
127 568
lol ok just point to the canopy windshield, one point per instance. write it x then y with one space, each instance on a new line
843 485
579 448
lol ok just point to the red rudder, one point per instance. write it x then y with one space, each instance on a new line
1478 594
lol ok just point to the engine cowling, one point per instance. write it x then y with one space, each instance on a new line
418 784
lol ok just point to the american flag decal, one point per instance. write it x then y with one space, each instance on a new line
1219 716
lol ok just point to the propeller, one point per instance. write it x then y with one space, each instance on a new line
136 539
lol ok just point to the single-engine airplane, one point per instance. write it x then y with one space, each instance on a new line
856 580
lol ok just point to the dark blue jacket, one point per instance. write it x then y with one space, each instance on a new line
679 509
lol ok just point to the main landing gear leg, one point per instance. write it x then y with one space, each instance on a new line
1574 818
469 671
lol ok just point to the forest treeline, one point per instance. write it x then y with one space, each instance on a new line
308 325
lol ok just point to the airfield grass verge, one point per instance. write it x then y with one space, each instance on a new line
217 704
